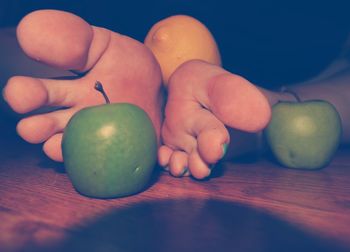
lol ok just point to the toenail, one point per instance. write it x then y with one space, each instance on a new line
224 149
187 173
184 172
212 166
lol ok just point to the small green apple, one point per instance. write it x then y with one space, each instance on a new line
304 135
109 150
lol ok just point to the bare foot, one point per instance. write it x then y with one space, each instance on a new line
125 66
203 100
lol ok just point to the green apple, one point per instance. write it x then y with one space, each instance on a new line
304 135
109 150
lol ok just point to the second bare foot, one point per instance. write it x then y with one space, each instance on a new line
203 101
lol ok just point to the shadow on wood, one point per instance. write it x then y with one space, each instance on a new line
191 225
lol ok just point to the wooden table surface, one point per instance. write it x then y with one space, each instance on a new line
245 206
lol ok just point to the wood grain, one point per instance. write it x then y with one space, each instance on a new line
246 205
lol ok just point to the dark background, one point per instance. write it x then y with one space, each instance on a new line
269 42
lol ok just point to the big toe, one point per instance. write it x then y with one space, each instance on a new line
198 168
57 38
212 144
211 135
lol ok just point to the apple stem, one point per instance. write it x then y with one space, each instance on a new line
286 90
99 87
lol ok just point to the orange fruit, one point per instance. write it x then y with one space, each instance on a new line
178 39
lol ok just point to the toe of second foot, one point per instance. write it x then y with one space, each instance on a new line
198 168
212 145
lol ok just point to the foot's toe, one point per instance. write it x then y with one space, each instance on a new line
178 165
212 144
25 94
212 141
164 154
211 136
57 38
52 147
38 128
198 168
